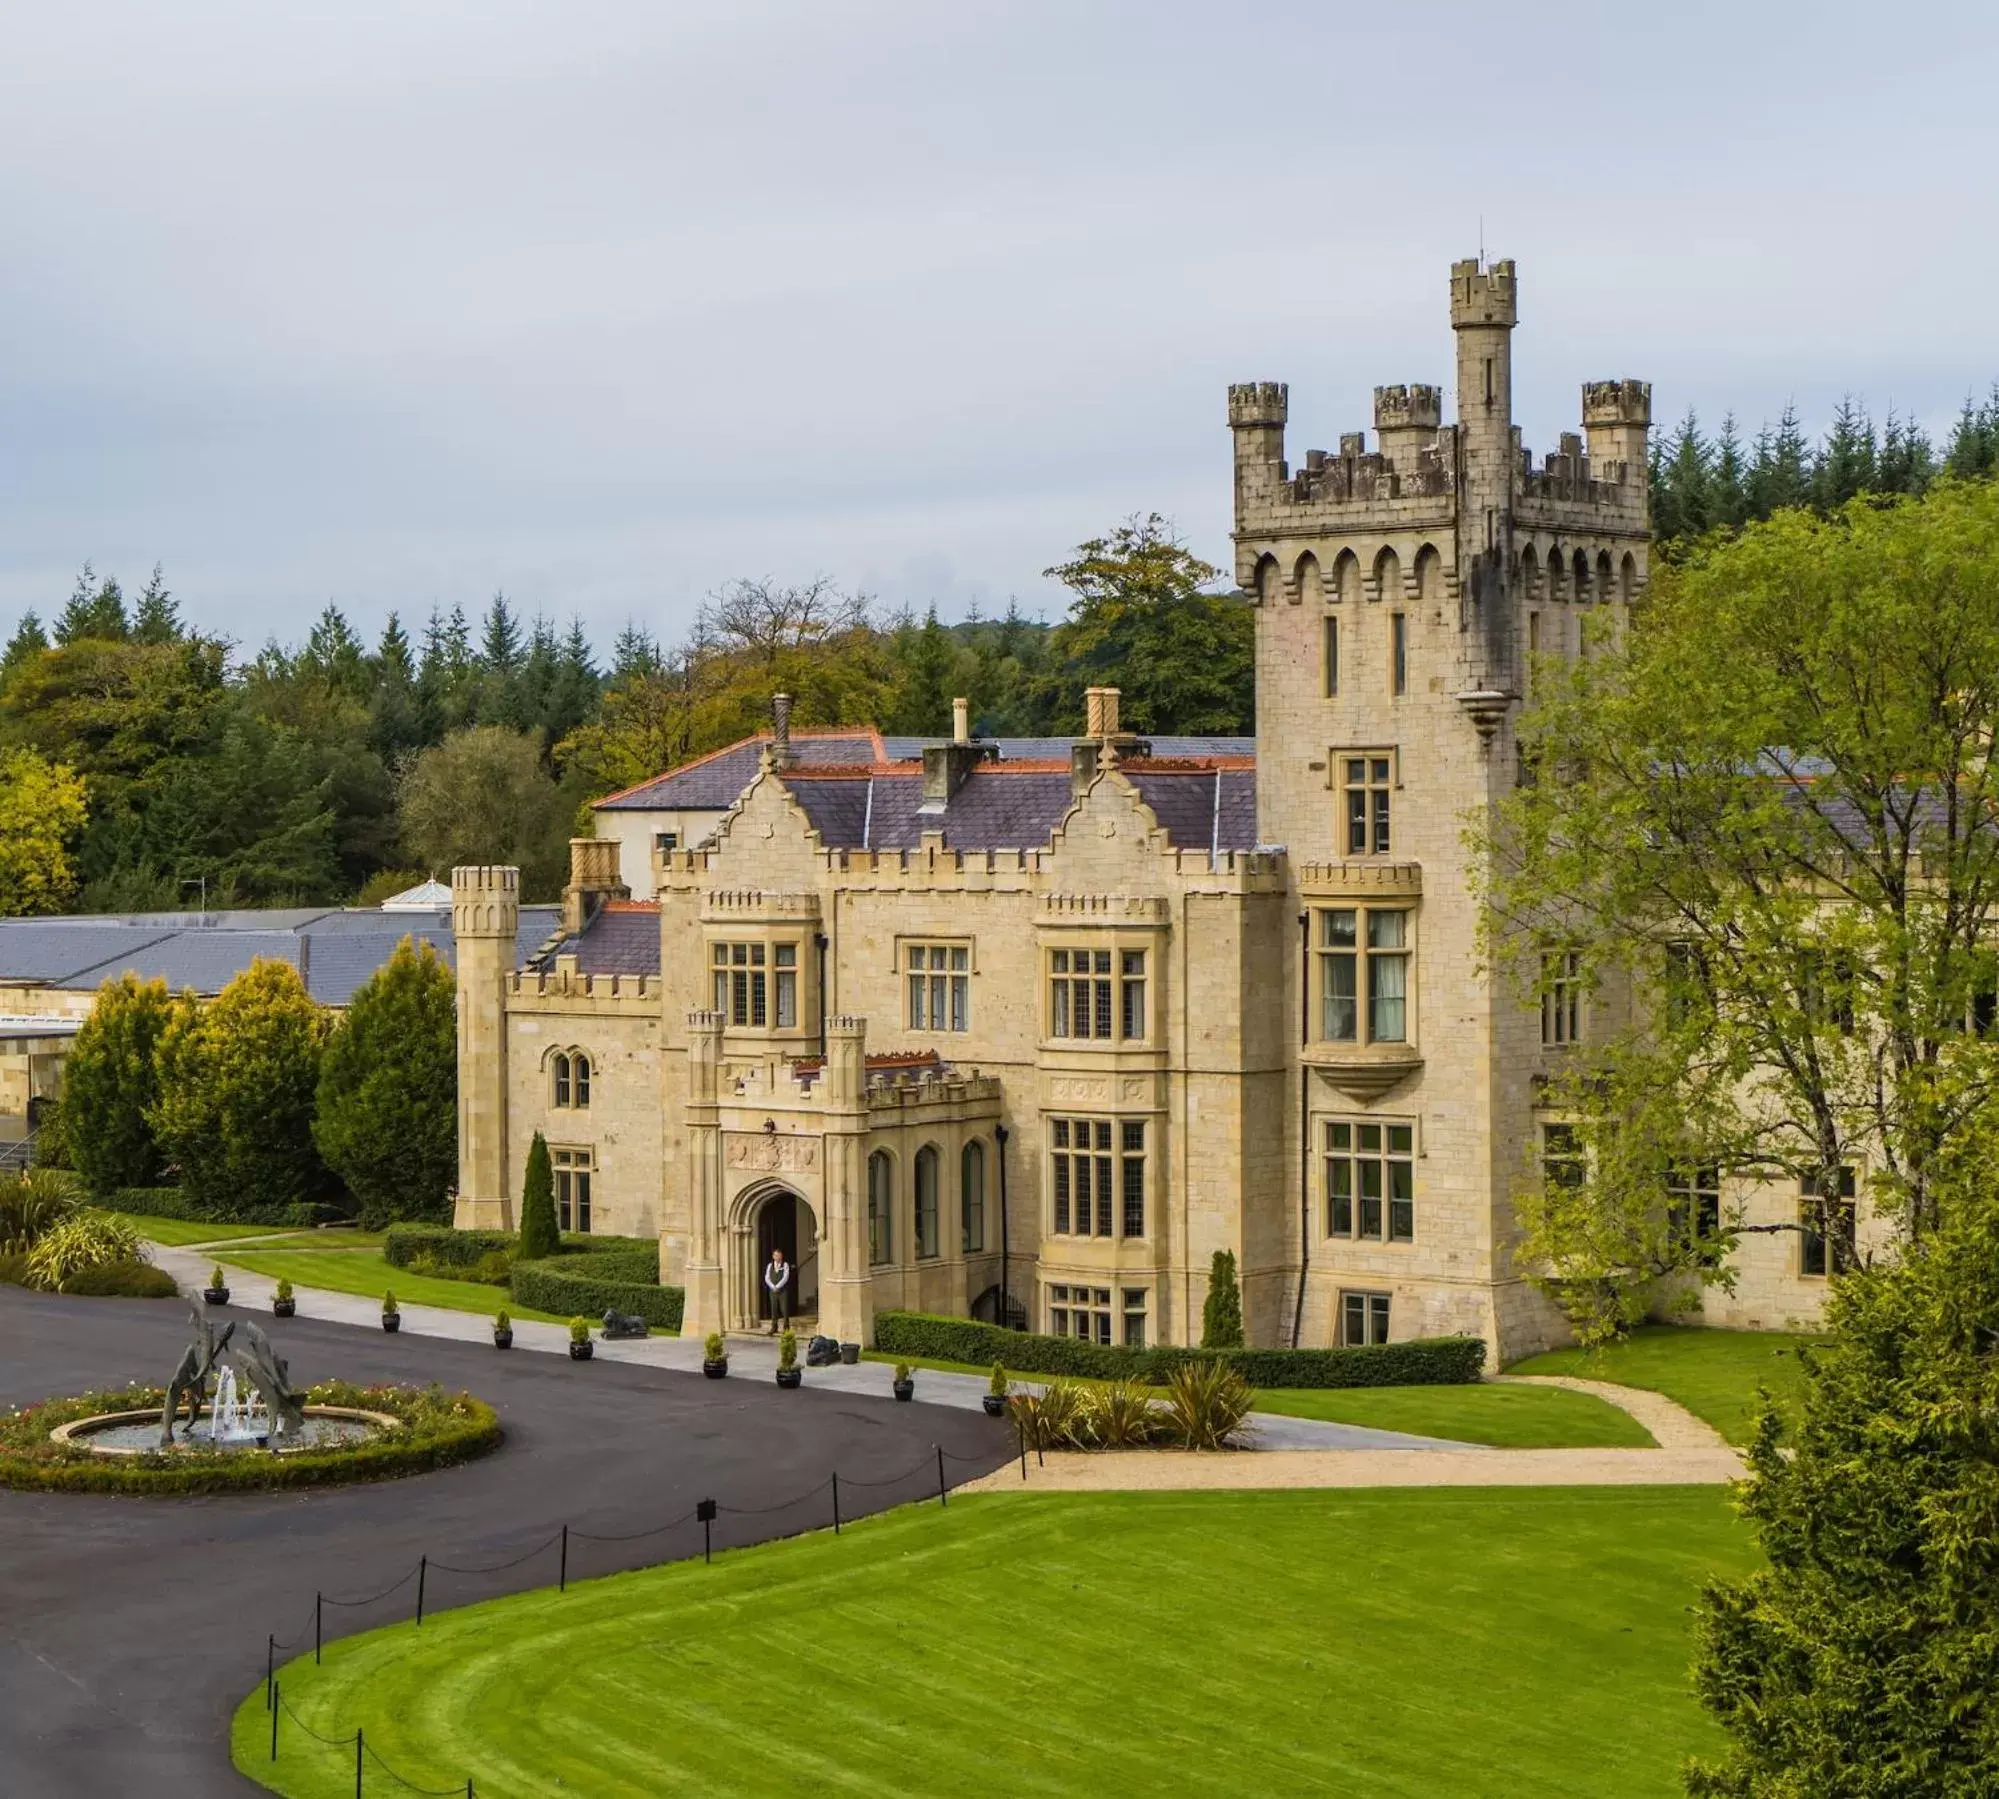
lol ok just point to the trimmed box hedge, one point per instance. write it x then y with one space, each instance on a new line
403 1243
1421 1362
177 1202
567 1286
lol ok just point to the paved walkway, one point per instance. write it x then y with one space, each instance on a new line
1671 1424
751 1357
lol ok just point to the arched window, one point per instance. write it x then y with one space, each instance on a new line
1582 577
881 1208
1627 579
1604 577
1530 572
972 1195
926 1201
572 1079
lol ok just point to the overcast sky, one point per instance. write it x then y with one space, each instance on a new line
392 304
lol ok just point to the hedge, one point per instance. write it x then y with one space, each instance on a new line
551 1286
462 1249
438 1429
1423 1361
177 1202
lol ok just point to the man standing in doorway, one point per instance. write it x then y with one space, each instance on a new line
777 1283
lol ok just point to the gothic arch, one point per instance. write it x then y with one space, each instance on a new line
1346 578
1627 578
1269 581
1582 577
1305 583
1429 576
1530 573
1605 578
1387 574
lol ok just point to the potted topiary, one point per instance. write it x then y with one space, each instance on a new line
789 1374
580 1346
995 1395
392 1320
715 1356
503 1330
216 1293
282 1304
904 1387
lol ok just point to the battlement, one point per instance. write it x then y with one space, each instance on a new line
1617 403
1259 403
1482 296
1417 407
1414 461
724 905
485 902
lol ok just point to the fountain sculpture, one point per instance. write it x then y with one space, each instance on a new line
232 1419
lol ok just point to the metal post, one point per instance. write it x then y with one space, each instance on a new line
270 1668
359 1746
1023 1452
836 1502
422 1571
707 1540
277 1696
318 1608
562 1579
943 1497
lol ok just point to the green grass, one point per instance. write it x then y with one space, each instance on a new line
175 1232
366 1273
1713 1373
336 1238
1503 1417
1393 1642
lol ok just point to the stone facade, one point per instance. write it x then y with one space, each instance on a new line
978 1028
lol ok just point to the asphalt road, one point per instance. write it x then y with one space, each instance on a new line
130 1628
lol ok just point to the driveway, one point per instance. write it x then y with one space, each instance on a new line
130 1628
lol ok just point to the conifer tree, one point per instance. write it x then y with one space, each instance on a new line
539 1237
1221 1313
156 618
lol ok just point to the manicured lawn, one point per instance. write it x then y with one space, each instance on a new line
1470 1642
334 1238
1504 1417
365 1272
1713 1373
177 1231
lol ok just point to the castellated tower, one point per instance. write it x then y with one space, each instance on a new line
485 920
1404 593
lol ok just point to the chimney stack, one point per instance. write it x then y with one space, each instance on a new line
961 720
780 711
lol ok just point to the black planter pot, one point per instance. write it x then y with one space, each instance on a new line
717 1369
392 1322
904 1390
215 1296
995 1405
790 1377
581 1352
503 1339
850 1354
283 1308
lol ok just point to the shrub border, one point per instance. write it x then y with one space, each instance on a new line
472 1430
548 1287
1419 1362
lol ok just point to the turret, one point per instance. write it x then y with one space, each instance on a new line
1485 306
1257 413
485 920
1617 417
1407 420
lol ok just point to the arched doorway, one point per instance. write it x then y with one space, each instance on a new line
781 1220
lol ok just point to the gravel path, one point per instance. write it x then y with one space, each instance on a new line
1671 1424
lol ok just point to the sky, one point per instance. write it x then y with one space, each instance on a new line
393 304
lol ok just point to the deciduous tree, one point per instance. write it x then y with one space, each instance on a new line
111 1085
42 813
1766 828
238 1080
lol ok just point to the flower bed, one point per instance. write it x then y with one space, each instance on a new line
434 1429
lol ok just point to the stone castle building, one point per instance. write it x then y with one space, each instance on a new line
1031 1029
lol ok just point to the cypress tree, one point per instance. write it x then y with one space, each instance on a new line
539 1236
110 1082
1221 1315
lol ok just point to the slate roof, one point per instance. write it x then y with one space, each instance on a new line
335 950
621 939
714 782
1018 809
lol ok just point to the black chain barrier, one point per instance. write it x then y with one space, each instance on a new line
706 1512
